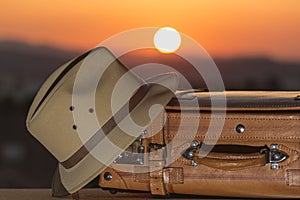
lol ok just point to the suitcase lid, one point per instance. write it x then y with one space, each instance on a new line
236 100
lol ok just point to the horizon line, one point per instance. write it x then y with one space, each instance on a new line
82 50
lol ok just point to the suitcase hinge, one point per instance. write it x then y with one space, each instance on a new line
134 154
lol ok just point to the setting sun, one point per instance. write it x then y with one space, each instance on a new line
167 40
226 29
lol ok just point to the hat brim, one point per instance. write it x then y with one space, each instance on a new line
68 181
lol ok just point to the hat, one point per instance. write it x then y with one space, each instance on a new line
90 110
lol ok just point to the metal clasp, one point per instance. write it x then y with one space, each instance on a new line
276 156
189 152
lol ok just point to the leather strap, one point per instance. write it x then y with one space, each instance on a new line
156 165
106 128
293 177
171 175
157 162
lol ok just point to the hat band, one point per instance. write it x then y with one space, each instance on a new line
106 128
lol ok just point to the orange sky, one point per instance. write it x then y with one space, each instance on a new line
223 28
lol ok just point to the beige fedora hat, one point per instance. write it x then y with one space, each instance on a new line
90 110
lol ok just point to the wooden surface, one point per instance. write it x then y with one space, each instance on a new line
85 194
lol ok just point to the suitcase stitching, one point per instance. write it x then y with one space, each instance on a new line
294 152
235 177
288 178
234 118
234 137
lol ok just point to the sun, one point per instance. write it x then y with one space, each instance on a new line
167 40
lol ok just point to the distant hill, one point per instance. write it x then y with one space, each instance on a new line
25 67
22 61
259 74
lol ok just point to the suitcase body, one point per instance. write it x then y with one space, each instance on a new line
250 148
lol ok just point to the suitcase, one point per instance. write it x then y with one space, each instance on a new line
247 148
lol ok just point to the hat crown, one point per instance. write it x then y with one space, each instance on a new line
70 107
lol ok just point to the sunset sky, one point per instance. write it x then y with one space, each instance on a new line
223 28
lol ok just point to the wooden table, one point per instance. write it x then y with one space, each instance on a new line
85 194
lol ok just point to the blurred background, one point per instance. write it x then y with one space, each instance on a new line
255 45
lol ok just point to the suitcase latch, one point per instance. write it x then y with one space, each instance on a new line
189 152
276 156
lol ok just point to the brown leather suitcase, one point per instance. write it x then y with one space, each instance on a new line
249 148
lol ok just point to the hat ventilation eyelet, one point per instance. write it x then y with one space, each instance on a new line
72 108
91 110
